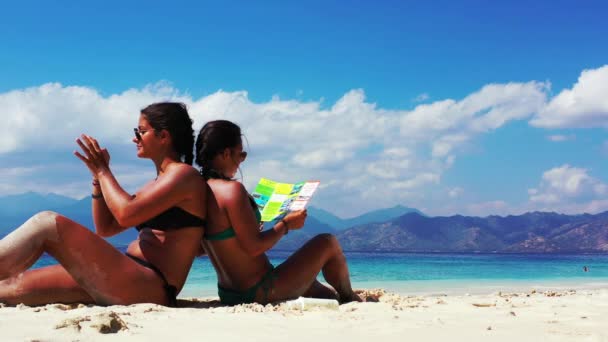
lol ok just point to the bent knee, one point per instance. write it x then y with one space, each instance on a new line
328 239
45 218
325 236
44 222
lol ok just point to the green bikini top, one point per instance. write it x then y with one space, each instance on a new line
229 232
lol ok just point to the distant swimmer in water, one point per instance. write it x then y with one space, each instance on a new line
585 269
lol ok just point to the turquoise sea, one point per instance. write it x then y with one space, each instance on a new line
427 273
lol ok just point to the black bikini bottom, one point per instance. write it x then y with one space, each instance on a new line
169 289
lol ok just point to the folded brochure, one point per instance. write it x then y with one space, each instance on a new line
276 199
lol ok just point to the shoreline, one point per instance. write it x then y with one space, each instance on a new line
508 315
447 287
484 286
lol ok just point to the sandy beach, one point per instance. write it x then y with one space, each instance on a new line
566 315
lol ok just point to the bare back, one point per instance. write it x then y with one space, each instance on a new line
172 251
236 268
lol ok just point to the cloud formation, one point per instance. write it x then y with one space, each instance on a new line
367 157
362 153
569 189
53 115
422 97
450 123
561 137
585 105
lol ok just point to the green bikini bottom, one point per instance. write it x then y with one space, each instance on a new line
233 297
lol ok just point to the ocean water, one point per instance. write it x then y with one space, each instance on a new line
426 273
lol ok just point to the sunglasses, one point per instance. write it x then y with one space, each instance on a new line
138 132
243 155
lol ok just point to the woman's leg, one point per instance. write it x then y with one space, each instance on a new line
108 276
297 275
318 290
52 284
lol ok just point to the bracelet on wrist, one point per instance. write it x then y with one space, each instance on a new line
96 196
286 227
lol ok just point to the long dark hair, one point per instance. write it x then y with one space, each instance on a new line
213 139
173 117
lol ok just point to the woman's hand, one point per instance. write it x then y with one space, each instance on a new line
295 219
96 159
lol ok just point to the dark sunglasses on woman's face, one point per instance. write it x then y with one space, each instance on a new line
138 132
243 155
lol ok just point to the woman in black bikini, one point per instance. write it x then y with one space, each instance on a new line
169 212
236 245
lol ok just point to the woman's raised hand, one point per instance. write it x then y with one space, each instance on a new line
96 159
295 219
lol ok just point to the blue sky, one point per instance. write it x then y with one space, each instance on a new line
363 88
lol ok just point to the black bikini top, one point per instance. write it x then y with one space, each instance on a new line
172 218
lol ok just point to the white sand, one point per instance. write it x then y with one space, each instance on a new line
526 316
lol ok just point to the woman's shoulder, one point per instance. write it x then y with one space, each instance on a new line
227 190
184 173
183 170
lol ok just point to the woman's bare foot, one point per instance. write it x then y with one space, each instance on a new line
353 297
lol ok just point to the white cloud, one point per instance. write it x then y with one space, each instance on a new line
11 179
449 123
564 189
366 157
584 105
68 179
568 189
417 181
321 158
455 192
566 181
397 152
444 145
422 97
388 169
561 138
17 171
52 115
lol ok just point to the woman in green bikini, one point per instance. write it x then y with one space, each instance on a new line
236 245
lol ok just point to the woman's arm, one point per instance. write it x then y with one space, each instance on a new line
245 225
175 186
104 221
172 188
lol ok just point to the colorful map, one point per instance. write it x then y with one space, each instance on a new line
276 199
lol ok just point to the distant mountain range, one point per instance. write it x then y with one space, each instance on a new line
322 221
371 217
16 209
535 232
387 230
